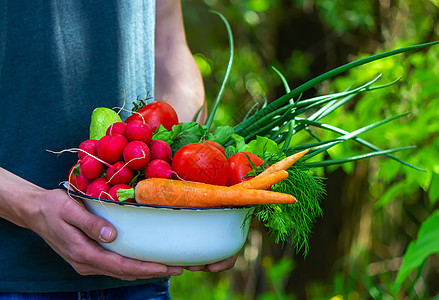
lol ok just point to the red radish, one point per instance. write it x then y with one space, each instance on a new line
90 167
110 148
82 183
136 154
73 177
138 131
98 188
116 128
201 162
160 150
216 145
113 192
78 182
121 173
88 146
158 168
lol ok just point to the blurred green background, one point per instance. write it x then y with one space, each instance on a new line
375 208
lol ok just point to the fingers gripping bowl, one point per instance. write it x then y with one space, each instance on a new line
179 236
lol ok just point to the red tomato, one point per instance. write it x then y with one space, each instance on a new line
239 166
216 145
201 162
155 114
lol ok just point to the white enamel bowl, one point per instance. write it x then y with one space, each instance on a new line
173 235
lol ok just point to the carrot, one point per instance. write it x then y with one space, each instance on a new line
263 182
284 164
170 192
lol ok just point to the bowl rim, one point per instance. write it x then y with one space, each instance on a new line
70 192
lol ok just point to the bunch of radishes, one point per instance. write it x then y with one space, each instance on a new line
129 152
126 152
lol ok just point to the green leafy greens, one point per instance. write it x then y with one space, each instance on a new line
294 220
268 131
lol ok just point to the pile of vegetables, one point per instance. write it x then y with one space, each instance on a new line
126 162
192 164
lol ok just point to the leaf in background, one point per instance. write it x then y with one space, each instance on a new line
281 269
390 194
433 192
418 250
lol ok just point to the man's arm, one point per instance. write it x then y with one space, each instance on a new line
178 80
70 230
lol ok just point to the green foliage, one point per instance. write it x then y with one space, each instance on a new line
416 92
426 244
182 134
295 221
200 286
433 192
305 38
344 16
286 222
277 274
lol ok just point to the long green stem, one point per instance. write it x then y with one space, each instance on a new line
264 120
305 105
290 123
356 139
311 83
325 163
350 135
211 115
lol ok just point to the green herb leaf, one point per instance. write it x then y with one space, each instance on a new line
75 170
222 134
239 142
125 194
294 221
139 103
181 134
263 147
162 133
188 133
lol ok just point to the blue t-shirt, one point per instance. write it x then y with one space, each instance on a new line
59 60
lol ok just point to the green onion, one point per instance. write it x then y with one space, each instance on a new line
286 116
313 82
212 112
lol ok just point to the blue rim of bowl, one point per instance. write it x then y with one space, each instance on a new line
82 196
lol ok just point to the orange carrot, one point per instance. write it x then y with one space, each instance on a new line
263 182
170 192
284 164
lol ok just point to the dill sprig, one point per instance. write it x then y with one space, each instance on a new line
294 221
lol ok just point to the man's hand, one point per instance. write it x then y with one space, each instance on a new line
222 265
72 232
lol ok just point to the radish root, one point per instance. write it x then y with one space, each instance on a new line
76 150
